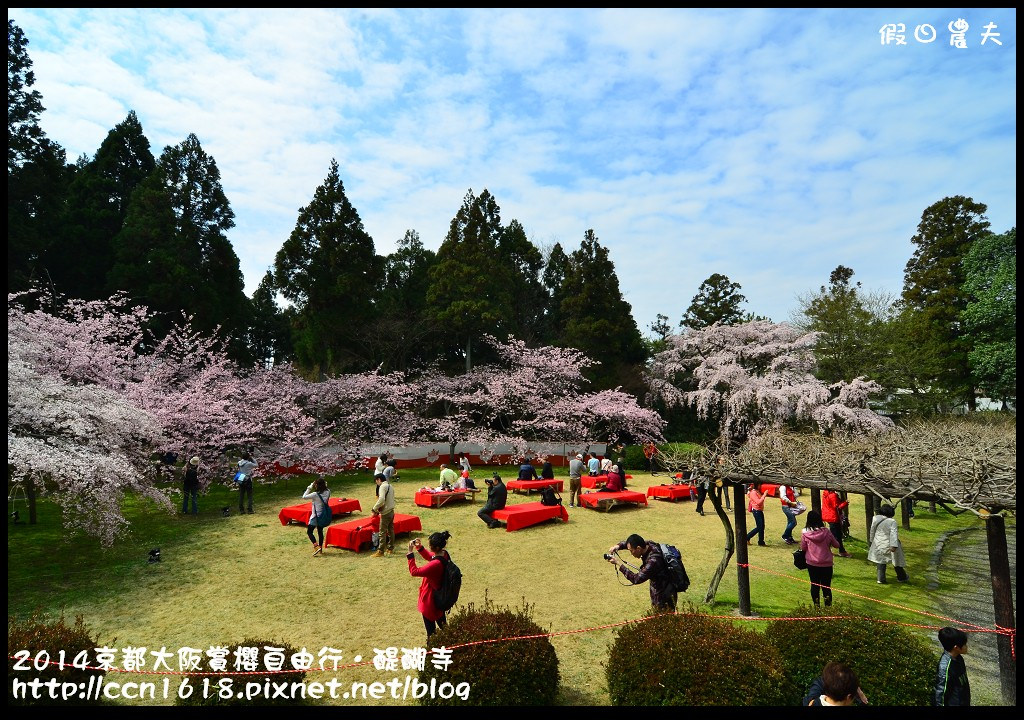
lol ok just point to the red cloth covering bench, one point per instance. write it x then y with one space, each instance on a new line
608 500
671 492
353 534
531 485
438 499
596 481
523 515
300 513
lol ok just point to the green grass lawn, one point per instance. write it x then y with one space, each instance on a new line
225 579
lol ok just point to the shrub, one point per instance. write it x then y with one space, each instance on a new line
692 659
894 665
486 667
226 694
46 640
636 460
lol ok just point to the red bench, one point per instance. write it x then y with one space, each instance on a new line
353 534
531 485
439 499
300 513
596 481
523 515
671 492
607 500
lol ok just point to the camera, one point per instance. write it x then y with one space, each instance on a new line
607 556
488 481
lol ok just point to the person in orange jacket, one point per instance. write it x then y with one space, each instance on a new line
831 506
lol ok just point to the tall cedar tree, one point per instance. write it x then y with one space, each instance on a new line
462 297
933 291
270 339
404 333
990 318
521 264
97 206
846 347
173 253
599 321
37 174
327 267
555 271
717 300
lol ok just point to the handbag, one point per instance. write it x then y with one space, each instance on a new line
239 477
323 519
799 509
800 559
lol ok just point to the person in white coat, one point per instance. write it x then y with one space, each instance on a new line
884 545
319 494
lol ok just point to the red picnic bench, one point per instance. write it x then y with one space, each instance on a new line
607 500
518 486
442 498
300 513
353 534
671 492
523 515
598 481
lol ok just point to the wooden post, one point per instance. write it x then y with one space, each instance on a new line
739 509
816 499
1002 601
905 512
869 513
931 507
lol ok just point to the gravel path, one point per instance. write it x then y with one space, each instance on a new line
963 559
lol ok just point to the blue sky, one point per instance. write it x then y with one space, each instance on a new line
768 145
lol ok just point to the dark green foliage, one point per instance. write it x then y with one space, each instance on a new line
692 659
270 340
717 300
520 263
636 460
97 206
598 321
511 672
894 665
328 267
238 682
461 296
36 634
933 291
990 318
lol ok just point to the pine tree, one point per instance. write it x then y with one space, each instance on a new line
462 297
521 263
95 213
846 347
717 300
555 271
933 289
37 175
328 268
599 321
990 318
270 339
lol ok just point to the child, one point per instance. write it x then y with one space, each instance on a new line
951 685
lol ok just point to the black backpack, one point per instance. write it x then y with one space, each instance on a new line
676 571
451 582
548 496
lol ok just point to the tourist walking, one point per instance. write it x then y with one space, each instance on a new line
190 486
319 494
884 545
817 542
432 574
832 507
755 504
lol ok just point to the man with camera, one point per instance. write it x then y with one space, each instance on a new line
654 569
497 495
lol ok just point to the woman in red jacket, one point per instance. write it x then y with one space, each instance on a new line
831 506
432 573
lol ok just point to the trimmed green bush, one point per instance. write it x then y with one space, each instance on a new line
636 460
692 659
44 641
894 665
509 672
225 694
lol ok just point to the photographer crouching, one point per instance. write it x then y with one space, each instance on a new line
654 569
497 496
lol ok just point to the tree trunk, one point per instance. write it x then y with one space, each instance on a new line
905 512
469 356
709 598
869 513
742 571
816 499
931 507
1002 601
30 494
